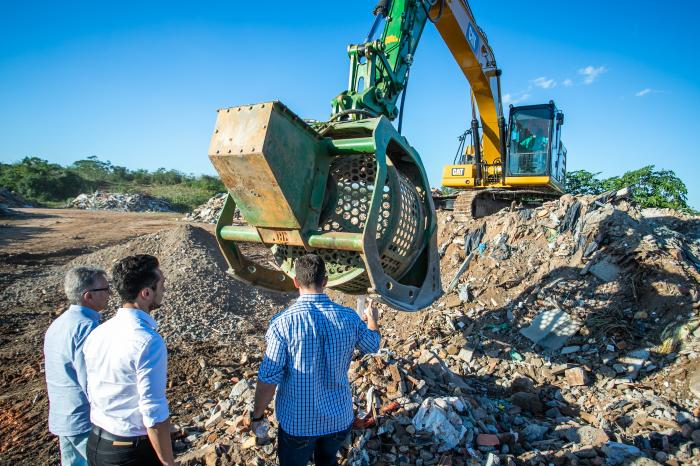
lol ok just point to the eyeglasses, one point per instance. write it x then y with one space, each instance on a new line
107 289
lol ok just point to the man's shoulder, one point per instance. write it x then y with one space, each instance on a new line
344 312
126 333
301 307
70 323
340 308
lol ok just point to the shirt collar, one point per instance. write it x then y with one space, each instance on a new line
314 297
86 311
137 314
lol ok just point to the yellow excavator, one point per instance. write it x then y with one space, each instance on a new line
352 189
529 166
524 160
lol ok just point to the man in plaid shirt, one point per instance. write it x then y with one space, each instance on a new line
309 348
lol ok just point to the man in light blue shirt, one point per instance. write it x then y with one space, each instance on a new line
309 348
87 290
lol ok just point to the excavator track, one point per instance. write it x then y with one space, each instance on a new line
469 205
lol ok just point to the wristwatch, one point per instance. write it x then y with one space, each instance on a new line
253 418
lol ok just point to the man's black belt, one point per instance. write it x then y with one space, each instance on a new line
100 432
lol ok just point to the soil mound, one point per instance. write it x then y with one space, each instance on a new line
201 300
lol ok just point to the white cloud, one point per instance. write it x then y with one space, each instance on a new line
591 73
644 92
568 83
509 99
544 83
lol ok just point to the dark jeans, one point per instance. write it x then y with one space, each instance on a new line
120 451
297 451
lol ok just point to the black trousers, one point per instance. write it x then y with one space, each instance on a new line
297 451
106 449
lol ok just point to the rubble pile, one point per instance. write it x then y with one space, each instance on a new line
568 334
202 302
209 211
120 201
8 200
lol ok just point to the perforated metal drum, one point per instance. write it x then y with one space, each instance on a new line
400 223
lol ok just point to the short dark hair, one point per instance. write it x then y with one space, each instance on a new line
134 273
310 270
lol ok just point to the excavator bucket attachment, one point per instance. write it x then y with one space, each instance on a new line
354 192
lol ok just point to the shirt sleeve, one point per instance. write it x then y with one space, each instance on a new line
151 376
368 340
274 363
78 358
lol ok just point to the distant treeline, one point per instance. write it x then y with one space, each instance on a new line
52 184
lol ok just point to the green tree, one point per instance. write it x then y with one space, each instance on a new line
652 188
649 187
583 182
38 180
92 168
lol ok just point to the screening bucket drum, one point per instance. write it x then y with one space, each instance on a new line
354 192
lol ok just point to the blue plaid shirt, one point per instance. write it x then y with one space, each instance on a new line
309 348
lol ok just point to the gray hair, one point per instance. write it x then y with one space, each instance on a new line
80 279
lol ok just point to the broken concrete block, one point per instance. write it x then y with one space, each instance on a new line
216 417
551 329
586 435
465 354
533 432
575 376
241 389
633 362
616 452
605 270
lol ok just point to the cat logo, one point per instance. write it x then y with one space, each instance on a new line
458 172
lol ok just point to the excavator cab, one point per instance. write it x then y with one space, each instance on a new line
535 155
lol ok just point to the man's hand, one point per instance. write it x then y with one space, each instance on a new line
159 435
371 316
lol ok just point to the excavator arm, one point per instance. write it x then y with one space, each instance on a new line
379 69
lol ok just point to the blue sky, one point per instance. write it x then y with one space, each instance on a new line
138 83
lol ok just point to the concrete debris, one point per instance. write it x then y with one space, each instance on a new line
551 329
8 200
525 361
120 201
605 270
209 211
11 199
617 453
586 435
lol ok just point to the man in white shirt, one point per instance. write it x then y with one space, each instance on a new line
66 380
126 362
